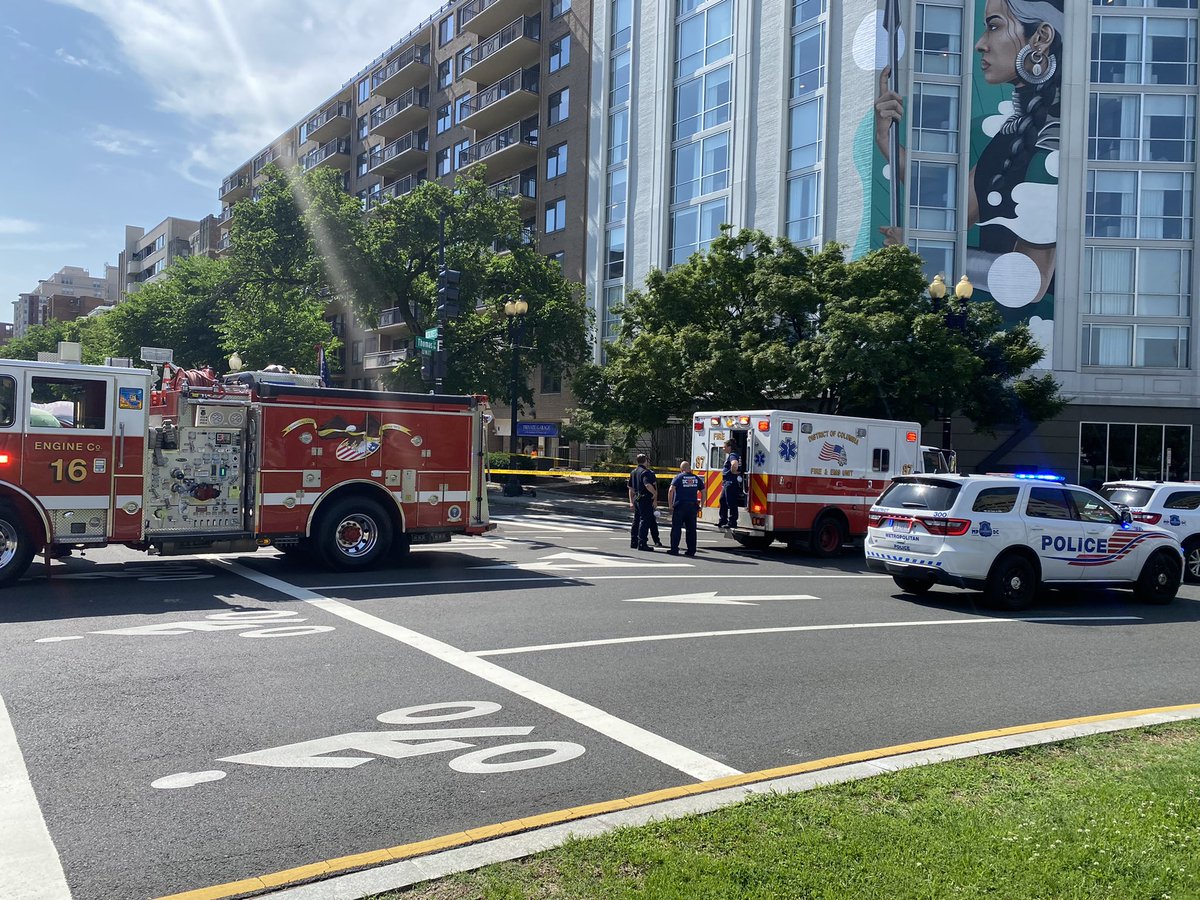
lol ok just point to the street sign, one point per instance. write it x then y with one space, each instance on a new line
537 429
431 333
427 344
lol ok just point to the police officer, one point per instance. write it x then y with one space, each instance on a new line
683 497
643 495
731 488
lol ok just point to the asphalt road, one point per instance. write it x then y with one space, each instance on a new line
189 722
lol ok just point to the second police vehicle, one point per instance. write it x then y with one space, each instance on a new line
1173 505
1008 534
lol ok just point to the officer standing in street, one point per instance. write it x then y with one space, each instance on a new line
683 498
731 488
643 495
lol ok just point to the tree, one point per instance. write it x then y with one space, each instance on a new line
45 339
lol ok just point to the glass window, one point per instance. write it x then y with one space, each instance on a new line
460 107
1107 345
614 256
1116 50
556 215
1166 205
1160 346
556 161
806 10
558 7
996 500
693 228
1183 500
703 102
551 382
1093 509
1169 128
456 155
1164 282
445 31
935 117
364 94
557 257
560 52
701 167
442 161
1170 51
618 137
1149 452
1113 126
881 459
704 39
808 61
934 195
8 400
78 402
444 119
937 257
804 209
363 127
933 495
559 106
1111 204
622 22
1110 271
617 192
362 164
618 89
938 41
445 73
1048 503
1177 454
1131 50
805 129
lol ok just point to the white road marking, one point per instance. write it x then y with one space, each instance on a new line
55 640
665 751
564 561
536 648
711 598
187 779
28 859
531 579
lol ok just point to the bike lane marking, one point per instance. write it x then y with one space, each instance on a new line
28 857
659 748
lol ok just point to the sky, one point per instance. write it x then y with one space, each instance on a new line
124 112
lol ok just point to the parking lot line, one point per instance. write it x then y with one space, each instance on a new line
537 648
633 736
29 861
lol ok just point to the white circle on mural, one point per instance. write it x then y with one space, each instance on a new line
870 47
994 198
1052 164
1043 333
1014 280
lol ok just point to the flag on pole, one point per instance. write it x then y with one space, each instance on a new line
322 366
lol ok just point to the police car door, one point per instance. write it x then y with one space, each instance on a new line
1054 533
1101 523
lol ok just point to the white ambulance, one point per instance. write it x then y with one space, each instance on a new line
810 479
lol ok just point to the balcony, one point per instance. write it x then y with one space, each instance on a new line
399 188
384 359
225 219
408 70
336 153
331 122
263 160
391 320
401 155
224 243
513 149
406 113
486 16
521 187
515 46
508 100
234 188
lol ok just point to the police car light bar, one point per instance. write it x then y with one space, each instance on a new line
1032 476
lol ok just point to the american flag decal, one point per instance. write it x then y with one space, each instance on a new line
832 452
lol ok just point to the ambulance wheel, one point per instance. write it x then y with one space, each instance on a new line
16 546
914 584
1012 584
1159 581
354 533
1191 560
828 535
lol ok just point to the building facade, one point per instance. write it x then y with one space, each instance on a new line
70 293
147 253
1045 149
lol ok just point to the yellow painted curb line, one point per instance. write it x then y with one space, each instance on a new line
514 826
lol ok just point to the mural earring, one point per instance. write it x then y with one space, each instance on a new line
1043 69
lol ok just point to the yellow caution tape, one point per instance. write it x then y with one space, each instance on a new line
557 473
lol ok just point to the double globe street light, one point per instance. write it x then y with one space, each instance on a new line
956 319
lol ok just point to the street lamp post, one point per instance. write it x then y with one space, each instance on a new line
956 320
515 311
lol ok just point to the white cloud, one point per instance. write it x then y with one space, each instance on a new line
122 142
17 226
243 73
83 62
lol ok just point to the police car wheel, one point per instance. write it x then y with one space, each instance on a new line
1191 560
16 546
1159 581
914 584
828 535
1012 584
353 534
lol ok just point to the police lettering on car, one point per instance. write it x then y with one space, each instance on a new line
683 497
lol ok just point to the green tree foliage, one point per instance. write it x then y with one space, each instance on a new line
758 322
45 339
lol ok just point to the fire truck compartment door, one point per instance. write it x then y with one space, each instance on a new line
69 453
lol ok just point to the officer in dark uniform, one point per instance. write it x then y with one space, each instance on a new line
683 497
731 488
643 495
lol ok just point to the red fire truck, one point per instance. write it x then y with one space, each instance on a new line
809 479
95 455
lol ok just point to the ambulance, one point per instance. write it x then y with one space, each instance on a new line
174 461
810 479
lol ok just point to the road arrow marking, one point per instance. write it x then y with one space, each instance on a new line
711 598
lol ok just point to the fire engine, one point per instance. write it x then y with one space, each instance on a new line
809 479
92 455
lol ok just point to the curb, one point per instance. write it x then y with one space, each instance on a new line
503 842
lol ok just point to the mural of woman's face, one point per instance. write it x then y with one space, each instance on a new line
1003 36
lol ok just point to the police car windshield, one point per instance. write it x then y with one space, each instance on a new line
1126 495
920 494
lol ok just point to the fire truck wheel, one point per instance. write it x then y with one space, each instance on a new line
401 544
354 533
828 535
16 546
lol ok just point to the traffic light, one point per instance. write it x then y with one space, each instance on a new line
447 292
427 367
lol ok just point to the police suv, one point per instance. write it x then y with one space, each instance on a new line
1008 534
1173 505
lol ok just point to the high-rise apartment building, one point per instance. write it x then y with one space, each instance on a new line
70 293
147 253
1045 149
500 84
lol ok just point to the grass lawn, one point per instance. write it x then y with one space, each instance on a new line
1112 816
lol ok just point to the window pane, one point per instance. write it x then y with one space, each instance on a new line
618 137
1093 445
804 208
1149 452
934 189
938 39
619 87
1116 50
808 61
1166 205
616 194
1163 288
937 257
1120 452
1178 449
1160 346
615 253
804 135
935 117
1111 287
1113 126
1112 204
1171 51
1107 345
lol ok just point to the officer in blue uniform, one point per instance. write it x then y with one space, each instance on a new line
731 488
683 497
643 496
